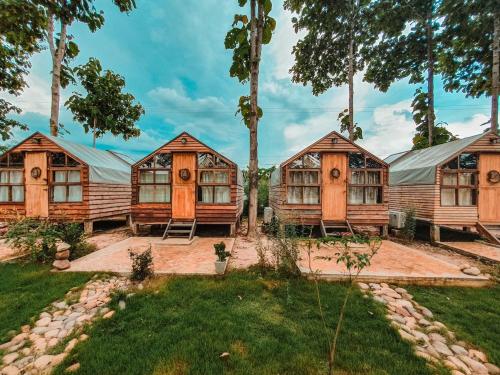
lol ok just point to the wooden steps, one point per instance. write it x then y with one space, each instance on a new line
490 232
335 228
180 229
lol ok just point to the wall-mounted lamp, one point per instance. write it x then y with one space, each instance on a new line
335 140
37 140
494 141
184 141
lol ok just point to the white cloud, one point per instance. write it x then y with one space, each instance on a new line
471 126
35 98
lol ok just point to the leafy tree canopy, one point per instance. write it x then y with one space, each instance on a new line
105 107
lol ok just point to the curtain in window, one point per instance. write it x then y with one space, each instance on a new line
4 193
311 177
311 195
465 197
221 177
294 194
207 194
449 179
161 194
207 177
16 177
466 179
59 194
296 177
146 176
146 193
74 193
73 176
373 178
17 193
162 177
357 177
59 176
372 195
4 177
222 194
355 195
448 197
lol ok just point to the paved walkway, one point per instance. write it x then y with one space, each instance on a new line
475 249
196 258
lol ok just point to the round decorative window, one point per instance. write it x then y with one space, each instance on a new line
335 173
184 174
36 172
493 177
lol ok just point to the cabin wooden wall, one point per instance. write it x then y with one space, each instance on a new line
160 213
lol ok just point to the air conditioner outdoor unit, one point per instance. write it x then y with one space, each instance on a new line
396 219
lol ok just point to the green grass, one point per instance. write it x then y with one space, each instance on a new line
471 313
269 326
25 289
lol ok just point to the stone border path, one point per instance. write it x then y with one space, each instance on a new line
432 340
32 350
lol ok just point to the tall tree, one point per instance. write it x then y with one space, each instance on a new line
246 38
408 46
470 61
21 31
333 49
105 108
61 44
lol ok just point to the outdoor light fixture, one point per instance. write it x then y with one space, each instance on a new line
494 141
184 141
335 140
37 140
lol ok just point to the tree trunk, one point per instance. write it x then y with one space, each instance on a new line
351 89
94 132
495 74
57 57
430 77
253 167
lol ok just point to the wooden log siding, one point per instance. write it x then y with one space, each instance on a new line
308 214
99 201
160 213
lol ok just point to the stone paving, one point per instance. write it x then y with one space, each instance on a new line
431 339
32 350
476 249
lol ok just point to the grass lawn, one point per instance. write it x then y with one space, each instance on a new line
473 314
25 289
269 326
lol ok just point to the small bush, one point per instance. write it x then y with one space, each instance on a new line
409 229
220 251
142 265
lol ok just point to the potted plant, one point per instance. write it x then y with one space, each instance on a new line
222 254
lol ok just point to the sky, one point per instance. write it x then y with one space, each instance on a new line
171 53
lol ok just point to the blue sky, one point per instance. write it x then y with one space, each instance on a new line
172 56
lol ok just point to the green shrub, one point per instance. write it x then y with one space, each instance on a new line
410 225
220 251
142 265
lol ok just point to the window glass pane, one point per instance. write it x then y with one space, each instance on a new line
164 160
4 193
294 194
296 177
59 194
449 179
207 177
356 160
468 161
75 193
17 193
59 176
4 162
57 159
373 178
222 194
357 177
311 195
311 178
146 176
16 177
146 193
465 197
448 197
148 164
311 160
355 195
73 176
452 164
222 177
467 179
72 162
4 177
205 160
162 177
206 194
372 164
219 163
162 193
16 159
373 195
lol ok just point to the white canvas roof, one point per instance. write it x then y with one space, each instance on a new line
418 167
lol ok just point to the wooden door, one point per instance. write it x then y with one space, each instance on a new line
334 190
37 188
489 192
184 190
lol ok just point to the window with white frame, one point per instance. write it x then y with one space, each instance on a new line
12 178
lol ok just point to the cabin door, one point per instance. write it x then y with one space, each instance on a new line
184 186
489 191
333 189
37 189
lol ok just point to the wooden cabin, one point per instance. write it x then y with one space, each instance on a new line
334 184
456 184
49 177
185 183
